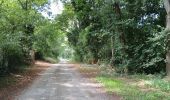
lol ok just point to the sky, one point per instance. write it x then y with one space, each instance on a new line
56 7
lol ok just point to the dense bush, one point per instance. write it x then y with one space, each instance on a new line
11 54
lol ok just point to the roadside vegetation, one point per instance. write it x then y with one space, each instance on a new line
26 36
129 87
136 87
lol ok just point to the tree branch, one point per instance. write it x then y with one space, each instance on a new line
26 5
22 5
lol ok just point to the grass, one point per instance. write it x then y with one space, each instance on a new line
111 85
130 92
161 84
131 87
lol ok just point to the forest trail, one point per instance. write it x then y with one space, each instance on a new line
63 82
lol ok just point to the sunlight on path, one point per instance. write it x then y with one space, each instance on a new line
63 82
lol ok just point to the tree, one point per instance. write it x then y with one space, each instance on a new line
167 7
125 32
18 21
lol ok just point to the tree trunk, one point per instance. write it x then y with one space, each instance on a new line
112 48
120 30
167 7
168 46
168 63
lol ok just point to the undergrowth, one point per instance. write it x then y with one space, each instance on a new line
135 87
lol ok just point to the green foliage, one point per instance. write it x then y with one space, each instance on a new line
138 43
11 55
127 34
130 92
161 84
134 87
19 26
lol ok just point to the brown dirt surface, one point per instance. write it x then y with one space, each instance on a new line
17 82
91 73
63 82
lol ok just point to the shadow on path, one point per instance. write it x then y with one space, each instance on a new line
62 82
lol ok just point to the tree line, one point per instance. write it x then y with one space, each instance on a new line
25 34
129 35
126 34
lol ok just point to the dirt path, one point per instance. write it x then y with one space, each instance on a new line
63 82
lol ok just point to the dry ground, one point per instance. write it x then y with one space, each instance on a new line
17 82
63 82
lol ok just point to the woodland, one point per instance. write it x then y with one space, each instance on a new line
129 35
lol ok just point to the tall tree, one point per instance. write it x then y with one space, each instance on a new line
133 27
167 7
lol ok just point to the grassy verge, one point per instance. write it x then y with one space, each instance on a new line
135 87
131 87
131 92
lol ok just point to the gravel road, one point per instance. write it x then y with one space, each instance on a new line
63 82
